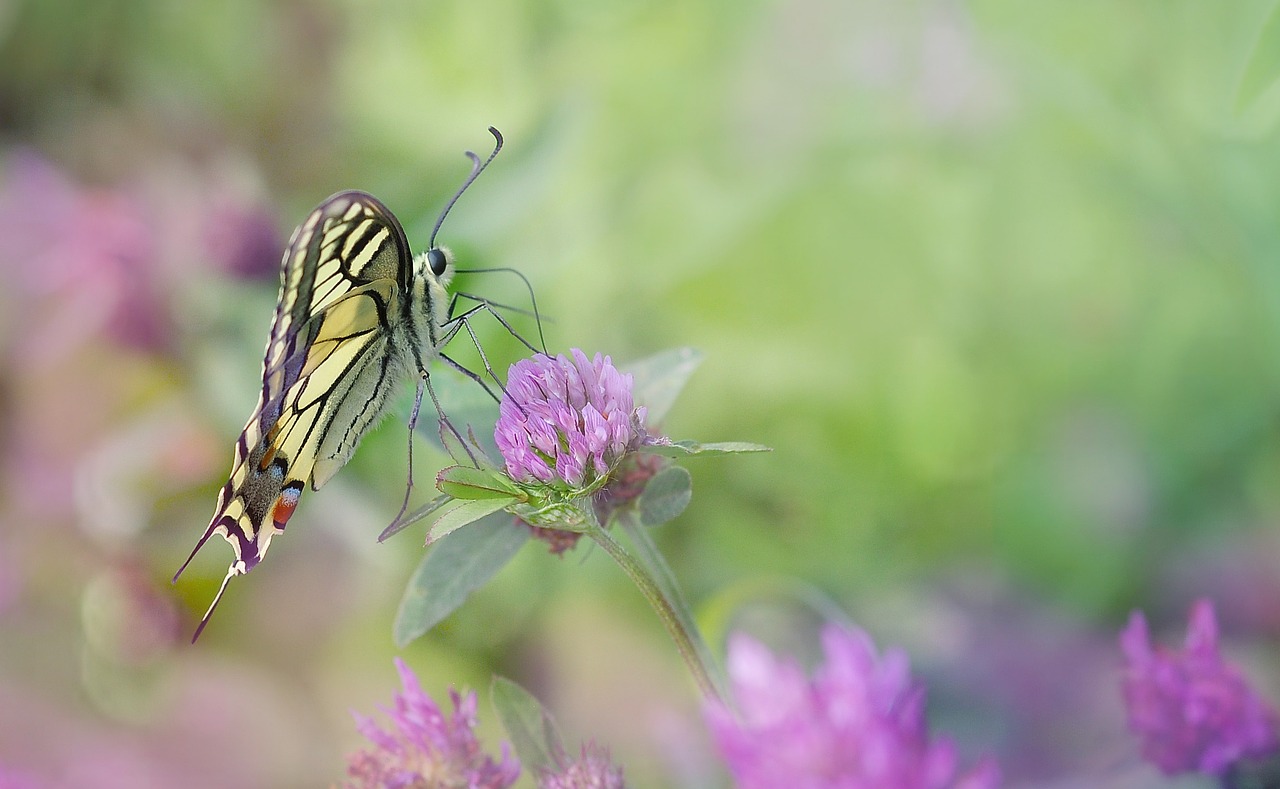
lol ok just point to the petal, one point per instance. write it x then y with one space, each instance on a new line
571 469
594 429
544 438
1135 640
1202 632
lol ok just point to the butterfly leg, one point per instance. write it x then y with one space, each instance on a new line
443 420
474 376
413 422
455 325
424 384
492 307
533 302
460 322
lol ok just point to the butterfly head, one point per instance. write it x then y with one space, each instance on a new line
436 264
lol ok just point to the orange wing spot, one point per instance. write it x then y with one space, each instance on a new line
284 507
270 454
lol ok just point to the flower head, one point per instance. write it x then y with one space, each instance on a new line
593 769
427 748
566 421
857 724
1192 710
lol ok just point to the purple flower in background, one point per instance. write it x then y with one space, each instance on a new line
244 240
14 779
857 724
426 748
593 769
1192 710
77 261
566 420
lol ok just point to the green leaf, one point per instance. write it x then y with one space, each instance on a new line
532 730
468 482
679 449
1263 68
452 570
665 496
658 379
464 513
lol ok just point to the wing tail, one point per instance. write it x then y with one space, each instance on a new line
212 530
232 572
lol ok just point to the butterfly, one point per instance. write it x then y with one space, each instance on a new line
357 315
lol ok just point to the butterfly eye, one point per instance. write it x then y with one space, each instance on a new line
437 261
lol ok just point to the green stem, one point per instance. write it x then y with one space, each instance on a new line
649 556
669 608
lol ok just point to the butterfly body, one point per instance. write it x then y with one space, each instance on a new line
357 315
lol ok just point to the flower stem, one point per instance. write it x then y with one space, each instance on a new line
670 608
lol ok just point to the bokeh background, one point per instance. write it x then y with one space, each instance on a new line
999 282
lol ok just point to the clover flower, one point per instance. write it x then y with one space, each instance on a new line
1193 711
593 769
566 421
857 724
427 748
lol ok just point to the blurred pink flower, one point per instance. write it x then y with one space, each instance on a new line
84 262
426 748
128 619
15 779
95 277
80 261
593 769
1193 711
858 724
244 240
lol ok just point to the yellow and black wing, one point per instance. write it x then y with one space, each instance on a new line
330 363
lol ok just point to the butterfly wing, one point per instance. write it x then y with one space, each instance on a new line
329 366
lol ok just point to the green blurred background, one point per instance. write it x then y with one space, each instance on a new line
998 281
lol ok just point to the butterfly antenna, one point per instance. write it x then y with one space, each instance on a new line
477 167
